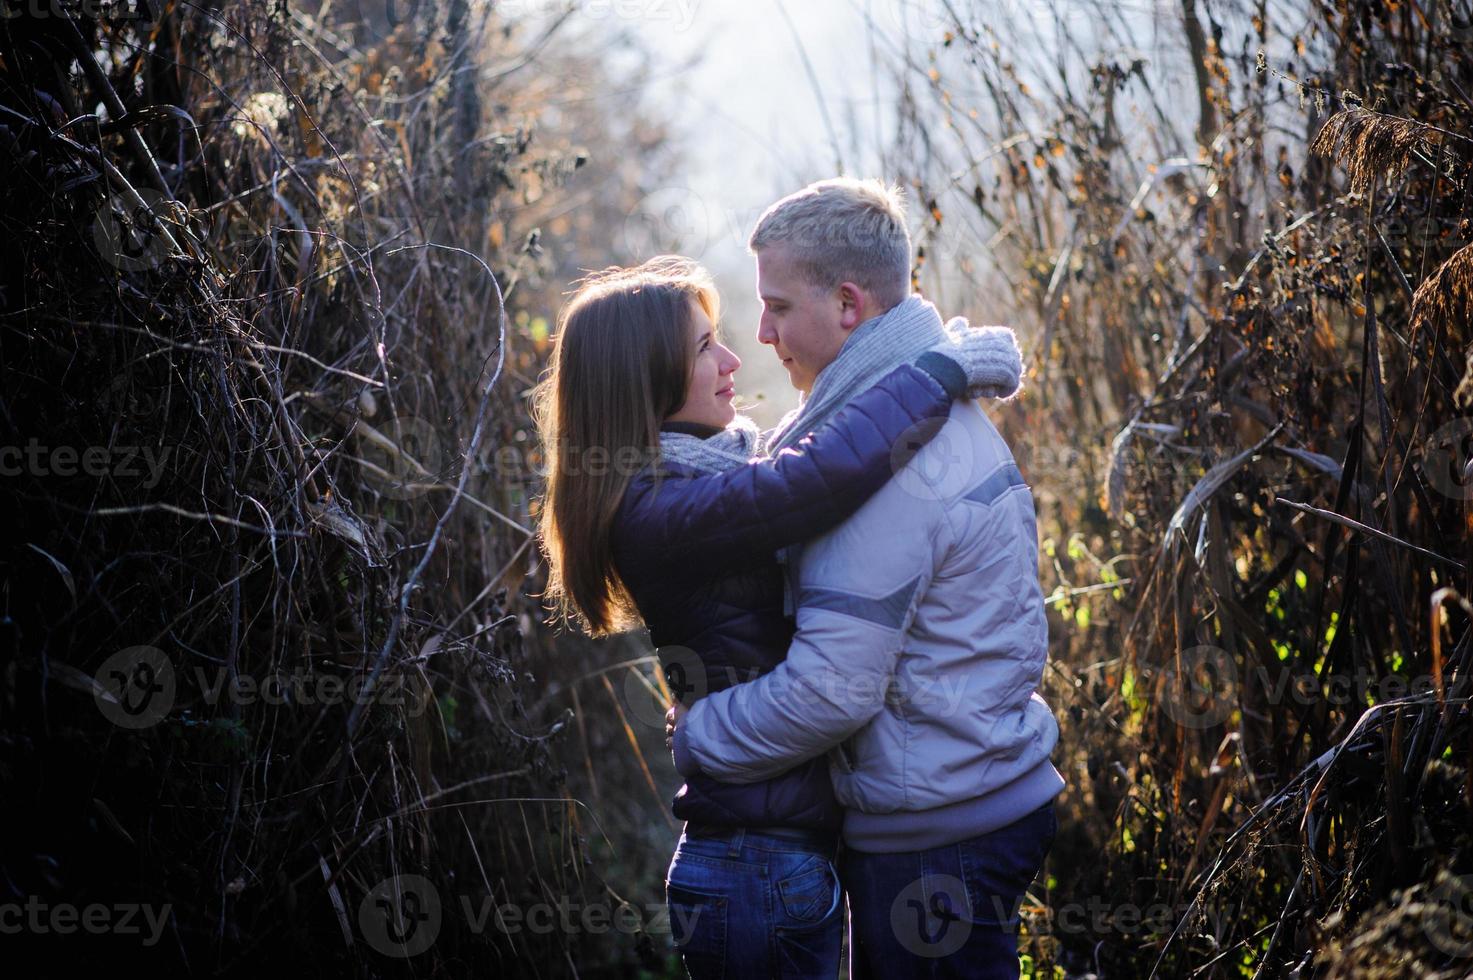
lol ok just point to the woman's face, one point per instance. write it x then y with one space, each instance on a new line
712 387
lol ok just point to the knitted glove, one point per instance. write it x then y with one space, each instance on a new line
989 358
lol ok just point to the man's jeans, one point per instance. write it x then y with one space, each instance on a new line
750 904
946 912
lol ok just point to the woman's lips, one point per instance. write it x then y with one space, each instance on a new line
726 392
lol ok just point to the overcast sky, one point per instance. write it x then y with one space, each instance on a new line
759 123
767 95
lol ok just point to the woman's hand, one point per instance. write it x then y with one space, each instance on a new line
988 356
672 718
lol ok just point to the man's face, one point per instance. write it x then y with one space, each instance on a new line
804 324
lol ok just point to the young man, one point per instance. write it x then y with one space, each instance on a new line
921 635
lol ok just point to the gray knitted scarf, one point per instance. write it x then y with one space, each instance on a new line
733 446
875 348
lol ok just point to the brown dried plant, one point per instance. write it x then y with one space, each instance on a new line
1371 145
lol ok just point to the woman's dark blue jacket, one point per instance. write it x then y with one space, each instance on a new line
696 552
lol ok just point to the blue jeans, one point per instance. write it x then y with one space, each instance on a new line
946 912
750 904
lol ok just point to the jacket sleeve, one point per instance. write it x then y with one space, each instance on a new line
746 514
859 588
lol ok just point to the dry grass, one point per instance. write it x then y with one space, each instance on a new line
1371 146
1259 528
1443 302
362 230
336 242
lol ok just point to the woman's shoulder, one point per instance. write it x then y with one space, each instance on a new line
643 501
643 516
652 489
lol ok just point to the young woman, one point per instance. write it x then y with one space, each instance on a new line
659 511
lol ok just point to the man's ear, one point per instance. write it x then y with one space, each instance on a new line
854 305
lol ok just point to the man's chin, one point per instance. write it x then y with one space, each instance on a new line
798 382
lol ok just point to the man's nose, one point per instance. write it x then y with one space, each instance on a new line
765 333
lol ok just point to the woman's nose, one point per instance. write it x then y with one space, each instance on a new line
731 363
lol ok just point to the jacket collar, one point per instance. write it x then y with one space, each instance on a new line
698 429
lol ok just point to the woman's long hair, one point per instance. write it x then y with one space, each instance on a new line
620 365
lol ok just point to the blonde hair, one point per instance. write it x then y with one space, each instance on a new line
620 366
843 230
